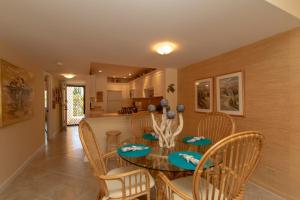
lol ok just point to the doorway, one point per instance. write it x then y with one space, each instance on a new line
75 104
46 105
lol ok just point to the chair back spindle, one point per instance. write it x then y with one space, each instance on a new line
232 161
141 122
216 126
93 152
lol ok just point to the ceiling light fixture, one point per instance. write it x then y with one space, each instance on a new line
100 71
164 48
59 63
129 74
68 76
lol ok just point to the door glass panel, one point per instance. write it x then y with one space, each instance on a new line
75 104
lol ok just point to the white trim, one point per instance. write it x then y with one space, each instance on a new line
53 135
266 190
20 169
49 102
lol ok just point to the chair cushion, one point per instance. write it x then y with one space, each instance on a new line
115 187
185 185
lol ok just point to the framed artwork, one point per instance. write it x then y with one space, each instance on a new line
230 93
204 95
16 101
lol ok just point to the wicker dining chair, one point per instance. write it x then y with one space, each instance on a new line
232 160
119 183
216 126
141 122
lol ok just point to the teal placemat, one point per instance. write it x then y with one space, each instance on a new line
201 142
175 159
149 136
138 153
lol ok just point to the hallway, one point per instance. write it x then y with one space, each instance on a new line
56 173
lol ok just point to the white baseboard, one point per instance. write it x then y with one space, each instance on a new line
10 179
52 135
266 190
55 133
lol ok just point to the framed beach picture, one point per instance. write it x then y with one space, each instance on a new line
204 95
16 89
230 93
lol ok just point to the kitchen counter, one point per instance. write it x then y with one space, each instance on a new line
97 115
101 123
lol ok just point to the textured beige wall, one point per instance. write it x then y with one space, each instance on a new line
272 104
19 141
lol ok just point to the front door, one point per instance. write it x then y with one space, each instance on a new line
75 104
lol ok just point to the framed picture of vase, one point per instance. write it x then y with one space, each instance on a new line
230 93
16 89
204 95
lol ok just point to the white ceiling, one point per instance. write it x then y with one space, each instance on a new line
78 32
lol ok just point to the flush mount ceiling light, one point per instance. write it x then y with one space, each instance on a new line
68 76
100 71
164 48
59 63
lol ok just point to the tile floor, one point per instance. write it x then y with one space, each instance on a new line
59 173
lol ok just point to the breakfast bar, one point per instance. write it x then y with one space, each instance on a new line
101 123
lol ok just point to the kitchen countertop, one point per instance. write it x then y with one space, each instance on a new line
96 115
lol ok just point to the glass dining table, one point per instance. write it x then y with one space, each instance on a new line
157 159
